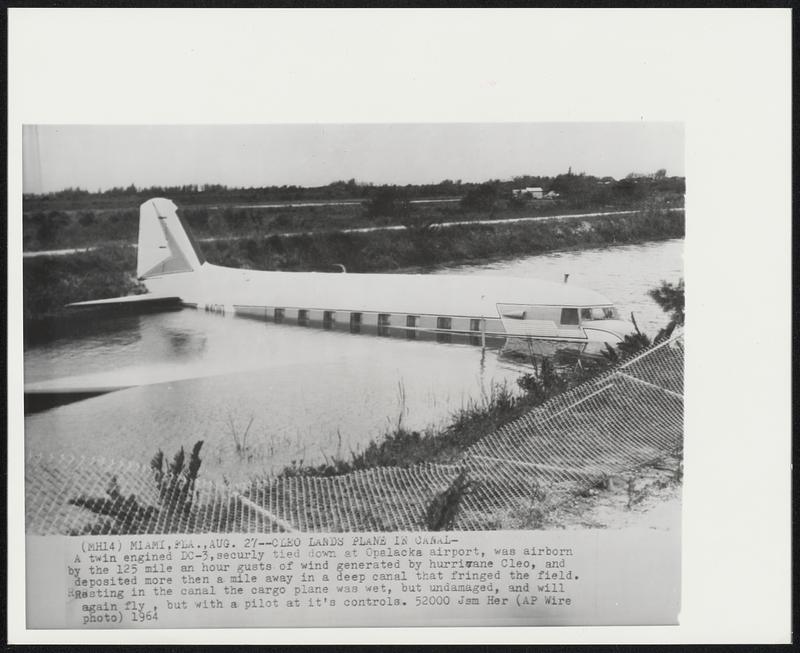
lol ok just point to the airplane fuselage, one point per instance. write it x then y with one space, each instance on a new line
485 306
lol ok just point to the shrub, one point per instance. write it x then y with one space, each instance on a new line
388 202
481 198
670 297
442 511
120 515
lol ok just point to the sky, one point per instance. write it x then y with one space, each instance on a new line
98 157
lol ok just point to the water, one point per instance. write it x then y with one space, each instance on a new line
624 274
309 393
298 394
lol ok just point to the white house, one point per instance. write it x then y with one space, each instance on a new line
534 192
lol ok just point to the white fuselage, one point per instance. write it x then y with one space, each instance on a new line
473 305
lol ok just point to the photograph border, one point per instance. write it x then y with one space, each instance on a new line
662 70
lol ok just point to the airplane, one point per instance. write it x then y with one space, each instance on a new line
174 271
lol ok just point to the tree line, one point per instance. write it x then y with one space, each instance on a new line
476 195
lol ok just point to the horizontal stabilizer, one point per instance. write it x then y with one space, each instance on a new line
139 300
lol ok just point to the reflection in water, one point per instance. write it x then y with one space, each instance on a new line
525 350
185 344
307 393
78 325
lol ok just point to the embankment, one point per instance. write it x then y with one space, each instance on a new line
425 247
50 282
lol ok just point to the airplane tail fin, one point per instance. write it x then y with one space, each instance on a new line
166 246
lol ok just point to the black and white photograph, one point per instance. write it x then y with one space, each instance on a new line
406 354
324 373
205 354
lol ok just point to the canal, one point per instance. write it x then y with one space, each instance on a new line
285 393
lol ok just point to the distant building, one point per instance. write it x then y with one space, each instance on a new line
533 192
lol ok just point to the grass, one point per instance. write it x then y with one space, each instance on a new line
50 282
404 448
536 513
429 247
389 251
242 449
86 222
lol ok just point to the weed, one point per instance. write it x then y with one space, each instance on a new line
401 400
442 511
119 514
543 382
533 515
176 482
243 451
678 474
539 507
635 495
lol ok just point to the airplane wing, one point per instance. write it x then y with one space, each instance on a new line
131 300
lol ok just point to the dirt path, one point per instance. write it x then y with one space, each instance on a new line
647 498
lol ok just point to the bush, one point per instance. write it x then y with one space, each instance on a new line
670 297
121 515
543 382
482 198
388 202
51 282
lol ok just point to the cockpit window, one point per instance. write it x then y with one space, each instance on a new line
599 313
569 316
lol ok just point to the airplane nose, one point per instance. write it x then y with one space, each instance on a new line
610 331
625 328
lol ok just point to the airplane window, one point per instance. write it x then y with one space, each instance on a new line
383 324
569 316
475 327
600 313
411 321
355 322
444 323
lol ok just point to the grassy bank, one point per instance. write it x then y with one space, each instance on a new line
52 282
404 448
90 227
426 246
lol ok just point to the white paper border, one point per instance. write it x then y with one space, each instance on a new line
725 73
